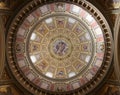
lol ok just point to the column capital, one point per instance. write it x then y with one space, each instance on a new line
4 9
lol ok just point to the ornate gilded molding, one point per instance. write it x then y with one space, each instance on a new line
35 86
117 46
4 12
2 48
112 4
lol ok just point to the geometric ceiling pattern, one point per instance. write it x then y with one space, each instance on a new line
59 47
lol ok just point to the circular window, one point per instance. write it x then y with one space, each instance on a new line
59 47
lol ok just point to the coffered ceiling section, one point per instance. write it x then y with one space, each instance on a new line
59 47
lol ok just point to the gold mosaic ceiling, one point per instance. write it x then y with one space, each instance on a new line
59 47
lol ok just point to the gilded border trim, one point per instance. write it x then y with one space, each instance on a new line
107 34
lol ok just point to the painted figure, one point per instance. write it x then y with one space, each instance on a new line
60 48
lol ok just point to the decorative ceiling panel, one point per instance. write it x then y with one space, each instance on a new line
59 47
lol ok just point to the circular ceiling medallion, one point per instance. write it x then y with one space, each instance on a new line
59 47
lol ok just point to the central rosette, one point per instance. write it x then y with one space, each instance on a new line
60 47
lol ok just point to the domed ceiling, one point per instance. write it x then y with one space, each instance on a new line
59 47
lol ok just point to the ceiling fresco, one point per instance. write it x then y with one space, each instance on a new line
58 47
